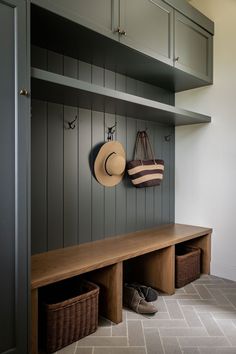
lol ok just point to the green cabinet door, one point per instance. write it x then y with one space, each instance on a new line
193 48
14 177
147 26
98 15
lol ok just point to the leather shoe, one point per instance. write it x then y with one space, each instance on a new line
149 293
136 302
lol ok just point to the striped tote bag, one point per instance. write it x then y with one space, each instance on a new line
144 170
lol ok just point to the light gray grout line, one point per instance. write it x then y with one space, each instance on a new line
182 351
76 346
110 346
161 341
106 337
163 298
93 349
220 328
225 334
197 291
144 338
221 292
230 303
182 312
127 332
201 321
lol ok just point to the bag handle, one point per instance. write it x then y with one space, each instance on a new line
143 143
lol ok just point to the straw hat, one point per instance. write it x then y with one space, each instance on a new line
110 164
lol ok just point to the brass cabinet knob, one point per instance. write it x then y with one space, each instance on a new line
120 31
24 92
176 59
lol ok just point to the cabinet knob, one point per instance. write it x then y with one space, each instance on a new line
120 31
24 92
176 59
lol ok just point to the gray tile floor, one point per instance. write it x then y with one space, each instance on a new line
199 319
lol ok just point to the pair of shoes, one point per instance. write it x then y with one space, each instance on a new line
136 301
149 293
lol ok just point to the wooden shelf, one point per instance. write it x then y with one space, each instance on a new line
62 89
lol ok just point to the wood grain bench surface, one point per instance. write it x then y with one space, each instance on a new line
53 266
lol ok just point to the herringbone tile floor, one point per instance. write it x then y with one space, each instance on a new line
199 319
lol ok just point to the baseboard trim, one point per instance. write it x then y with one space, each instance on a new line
224 271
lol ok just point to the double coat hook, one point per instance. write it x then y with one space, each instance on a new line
72 123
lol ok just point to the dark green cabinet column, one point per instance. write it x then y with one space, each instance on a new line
14 178
193 48
148 27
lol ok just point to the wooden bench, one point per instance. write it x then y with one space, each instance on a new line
151 252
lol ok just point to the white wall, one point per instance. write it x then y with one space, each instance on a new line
206 154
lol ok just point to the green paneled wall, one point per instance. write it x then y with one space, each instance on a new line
68 205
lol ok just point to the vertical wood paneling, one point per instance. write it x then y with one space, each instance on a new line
172 175
55 176
110 195
85 72
131 193
121 187
70 178
84 173
68 204
70 193
158 190
97 188
70 67
166 180
97 75
149 202
39 176
141 193
39 57
55 62
97 140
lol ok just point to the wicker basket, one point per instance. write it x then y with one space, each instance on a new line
69 313
187 265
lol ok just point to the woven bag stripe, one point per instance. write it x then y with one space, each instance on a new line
154 182
138 169
147 178
135 163
145 172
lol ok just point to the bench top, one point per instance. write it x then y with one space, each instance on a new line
53 266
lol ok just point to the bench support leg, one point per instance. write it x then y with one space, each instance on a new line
34 321
110 280
155 269
203 242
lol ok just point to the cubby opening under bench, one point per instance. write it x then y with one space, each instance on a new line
151 252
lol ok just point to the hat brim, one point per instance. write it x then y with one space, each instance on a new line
99 167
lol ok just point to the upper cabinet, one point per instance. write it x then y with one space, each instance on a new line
147 26
193 48
149 40
99 15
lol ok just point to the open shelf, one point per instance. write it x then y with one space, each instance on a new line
65 90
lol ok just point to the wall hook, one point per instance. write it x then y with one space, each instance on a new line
167 137
72 123
110 132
